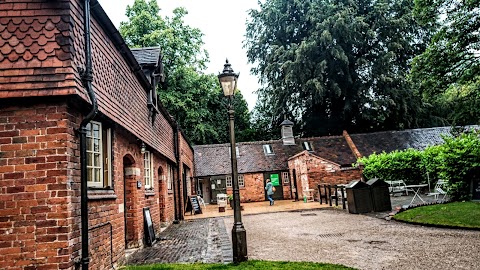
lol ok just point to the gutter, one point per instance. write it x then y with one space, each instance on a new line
87 78
176 182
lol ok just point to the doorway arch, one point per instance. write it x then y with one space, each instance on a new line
130 174
161 193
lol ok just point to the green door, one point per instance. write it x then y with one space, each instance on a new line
277 183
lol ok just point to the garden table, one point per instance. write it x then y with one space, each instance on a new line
416 189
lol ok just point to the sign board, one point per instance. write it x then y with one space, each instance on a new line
193 206
148 227
476 190
275 179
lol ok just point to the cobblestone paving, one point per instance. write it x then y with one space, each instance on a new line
201 240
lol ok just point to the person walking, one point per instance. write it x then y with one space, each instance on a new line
270 190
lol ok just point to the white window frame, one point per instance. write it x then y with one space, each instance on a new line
228 180
285 178
241 180
96 172
169 177
307 146
267 148
147 170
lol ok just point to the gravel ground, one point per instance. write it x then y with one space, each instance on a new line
359 241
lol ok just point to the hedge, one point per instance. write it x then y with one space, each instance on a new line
457 161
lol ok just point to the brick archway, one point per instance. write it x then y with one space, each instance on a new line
130 177
161 193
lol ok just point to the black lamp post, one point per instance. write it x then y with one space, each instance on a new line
228 81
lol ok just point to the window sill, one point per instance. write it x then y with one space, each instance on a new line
101 194
149 193
170 191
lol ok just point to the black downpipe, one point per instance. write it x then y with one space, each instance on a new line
87 77
175 184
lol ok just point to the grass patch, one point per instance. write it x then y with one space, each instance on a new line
250 265
457 214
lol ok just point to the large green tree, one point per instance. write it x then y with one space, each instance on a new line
448 72
191 96
336 64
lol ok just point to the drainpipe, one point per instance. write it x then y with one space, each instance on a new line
176 182
87 77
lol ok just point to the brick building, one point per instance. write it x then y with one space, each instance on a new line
293 165
136 156
298 164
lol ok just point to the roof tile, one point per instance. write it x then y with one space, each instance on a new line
215 159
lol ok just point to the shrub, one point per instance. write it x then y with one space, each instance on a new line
397 165
457 161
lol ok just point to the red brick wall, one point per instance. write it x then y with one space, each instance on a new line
36 185
314 170
40 191
41 55
254 189
186 158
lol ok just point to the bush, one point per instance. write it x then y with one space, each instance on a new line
456 161
397 165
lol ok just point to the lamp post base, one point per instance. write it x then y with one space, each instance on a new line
239 242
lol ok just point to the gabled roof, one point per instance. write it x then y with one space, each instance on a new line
146 56
309 154
388 141
214 159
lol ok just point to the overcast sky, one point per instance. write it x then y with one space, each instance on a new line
223 25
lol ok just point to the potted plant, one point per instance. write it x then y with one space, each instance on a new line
230 200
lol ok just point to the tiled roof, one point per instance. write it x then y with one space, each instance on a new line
215 159
388 141
146 56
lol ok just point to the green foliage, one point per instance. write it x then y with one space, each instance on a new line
447 73
192 97
335 65
398 165
249 265
458 215
457 161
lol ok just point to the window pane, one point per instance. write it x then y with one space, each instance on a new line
89 175
89 144
96 159
89 130
96 145
97 175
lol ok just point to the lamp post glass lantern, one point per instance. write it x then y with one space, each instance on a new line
228 82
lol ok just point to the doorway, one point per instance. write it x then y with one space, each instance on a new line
161 194
218 185
277 183
129 183
205 188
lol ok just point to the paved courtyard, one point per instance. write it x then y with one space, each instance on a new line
318 235
201 240
359 241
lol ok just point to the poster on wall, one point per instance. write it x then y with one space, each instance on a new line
275 179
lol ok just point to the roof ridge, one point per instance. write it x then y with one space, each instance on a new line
145 48
405 130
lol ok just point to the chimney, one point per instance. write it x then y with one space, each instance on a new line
287 132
